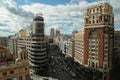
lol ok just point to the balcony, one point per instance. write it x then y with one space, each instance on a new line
38 49
37 53
38 63
37 57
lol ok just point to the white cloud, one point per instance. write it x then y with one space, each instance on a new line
13 16
61 14
65 18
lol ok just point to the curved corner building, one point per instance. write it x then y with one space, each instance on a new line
38 60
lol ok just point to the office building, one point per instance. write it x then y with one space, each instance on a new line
12 45
98 39
22 33
70 48
79 46
21 40
37 48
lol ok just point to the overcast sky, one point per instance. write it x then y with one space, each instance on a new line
64 15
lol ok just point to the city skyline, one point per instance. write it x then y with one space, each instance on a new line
90 53
18 14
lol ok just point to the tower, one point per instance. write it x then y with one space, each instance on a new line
52 33
98 38
37 52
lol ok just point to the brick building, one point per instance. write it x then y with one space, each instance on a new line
98 38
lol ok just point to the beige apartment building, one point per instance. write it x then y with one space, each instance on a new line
79 46
17 41
13 69
12 44
70 48
99 38
22 33
21 40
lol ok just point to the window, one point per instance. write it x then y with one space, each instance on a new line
90 11
89 22
97 9
93 10
105 18
92 57
106 47
11 72
96 65
25 69
92 64
106 51
105 57
4 73
20 78
106 42
93 17
97 21
93 21
105 66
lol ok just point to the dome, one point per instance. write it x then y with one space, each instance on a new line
38 18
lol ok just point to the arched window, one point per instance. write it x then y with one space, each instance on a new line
97 9
24 55
92 64
100 18
21 56
96 65
105 18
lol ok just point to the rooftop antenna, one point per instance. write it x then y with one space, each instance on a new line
39 14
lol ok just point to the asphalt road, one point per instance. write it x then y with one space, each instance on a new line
58 68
